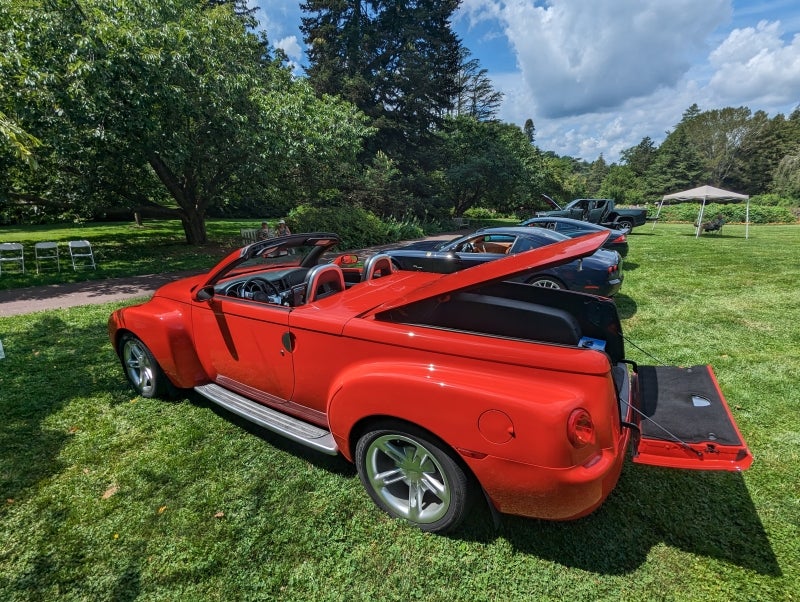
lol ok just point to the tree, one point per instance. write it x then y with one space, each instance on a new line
170 105
720 136
488 164
769 142
530 130
396 60
598 171
18 140
476 96
622 185
639 158
678 165
787 177
564 177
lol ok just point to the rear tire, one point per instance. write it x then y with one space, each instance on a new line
625 223
411 475
142 369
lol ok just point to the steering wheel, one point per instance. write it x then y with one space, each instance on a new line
467 248
252 286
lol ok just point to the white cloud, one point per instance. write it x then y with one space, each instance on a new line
599 75
279 18
291 47
577 57
755 65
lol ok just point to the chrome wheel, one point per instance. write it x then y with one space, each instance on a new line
141 368
545 282
412 478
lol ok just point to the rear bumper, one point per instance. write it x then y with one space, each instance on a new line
547 493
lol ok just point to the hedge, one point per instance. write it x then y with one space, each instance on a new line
732 212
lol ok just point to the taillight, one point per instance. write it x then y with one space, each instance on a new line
580 428
621 238
612 269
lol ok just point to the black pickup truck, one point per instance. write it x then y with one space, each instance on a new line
597 211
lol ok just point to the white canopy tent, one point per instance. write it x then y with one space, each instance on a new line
706 194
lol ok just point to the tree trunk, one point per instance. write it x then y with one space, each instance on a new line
194 226
192 212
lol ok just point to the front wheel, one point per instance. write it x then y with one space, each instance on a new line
141 368
411 475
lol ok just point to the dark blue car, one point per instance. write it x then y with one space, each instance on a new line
598 274
617 239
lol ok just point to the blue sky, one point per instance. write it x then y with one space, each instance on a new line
597 76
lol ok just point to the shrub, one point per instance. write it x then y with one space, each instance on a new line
357 227
486 213
733 213
774 200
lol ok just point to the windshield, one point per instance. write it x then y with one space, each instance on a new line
296 250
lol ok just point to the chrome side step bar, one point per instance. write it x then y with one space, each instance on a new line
277 422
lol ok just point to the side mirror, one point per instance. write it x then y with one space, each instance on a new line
348 260
206 293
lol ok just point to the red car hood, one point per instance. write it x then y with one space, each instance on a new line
501 269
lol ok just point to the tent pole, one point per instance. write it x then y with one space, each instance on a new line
700 219
660 205
747 221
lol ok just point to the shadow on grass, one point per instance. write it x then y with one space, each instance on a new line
97 290
43 370
626 306
704 513
334 464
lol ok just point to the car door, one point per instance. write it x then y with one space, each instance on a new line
597 210
578 209
242 345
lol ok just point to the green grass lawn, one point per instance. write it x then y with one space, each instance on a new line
120 248
108 496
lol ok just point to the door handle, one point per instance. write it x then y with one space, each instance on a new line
288 340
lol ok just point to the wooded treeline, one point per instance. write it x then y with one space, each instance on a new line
181 108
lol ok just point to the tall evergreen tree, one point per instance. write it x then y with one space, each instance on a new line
396 60
677 165
598 171
639 157
476 95
530 130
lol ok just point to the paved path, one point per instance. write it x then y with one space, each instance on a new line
72 294
58 296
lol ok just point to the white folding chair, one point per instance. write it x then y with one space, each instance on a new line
12 252
82 250
44 251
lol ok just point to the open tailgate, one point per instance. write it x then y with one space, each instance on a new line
685 422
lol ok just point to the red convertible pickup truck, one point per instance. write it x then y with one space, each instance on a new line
437 386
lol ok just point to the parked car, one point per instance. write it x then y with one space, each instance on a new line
617 239
597 211
439 387
600 273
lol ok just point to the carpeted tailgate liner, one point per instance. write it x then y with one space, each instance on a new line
684 403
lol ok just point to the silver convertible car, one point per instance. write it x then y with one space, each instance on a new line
598 274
